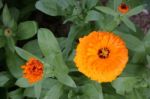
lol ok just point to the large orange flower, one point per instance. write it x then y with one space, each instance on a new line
123 8
33 70
101 56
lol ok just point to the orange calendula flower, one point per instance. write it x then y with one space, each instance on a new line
33 70
101 56
123 8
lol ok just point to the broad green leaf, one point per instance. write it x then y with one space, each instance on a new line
106 10
15 13
62 42
135 10
116 4
24 54
10 44
65 79
29 92
4 78
47 42
48 69
26 30
112 25
2 41
133 70
128 23
139 57
93 15
91 3
135 94
38 89
61 71
49 7
64 4
16 94
7 18
91 91
76 31
132 42
47 84
14 63
31 46
23 83
124 84
55 92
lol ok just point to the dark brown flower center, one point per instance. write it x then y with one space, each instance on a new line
123 6
103 53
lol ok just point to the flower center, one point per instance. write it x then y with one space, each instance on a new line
103 53
123 6
8 32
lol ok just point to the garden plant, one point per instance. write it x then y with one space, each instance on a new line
74 49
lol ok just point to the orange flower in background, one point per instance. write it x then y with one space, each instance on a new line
33 70
101 56
123 8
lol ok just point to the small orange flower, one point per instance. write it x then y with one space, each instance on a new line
101 56
123 8
33 70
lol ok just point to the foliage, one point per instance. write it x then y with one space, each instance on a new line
61 78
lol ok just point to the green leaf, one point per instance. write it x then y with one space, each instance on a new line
116 4
135 10
48 69
128 23
10 42
2 42
64 4
132 42
91 3
106 10
55 92
14 63
38 89
31 46
124 84
93 15
26 30
61 71
112 25
15 13
139 57
16 94
92 91
23 83
65 79
24 54
49 7
62 42
47 42
4 78
28 92
7 18
133 70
